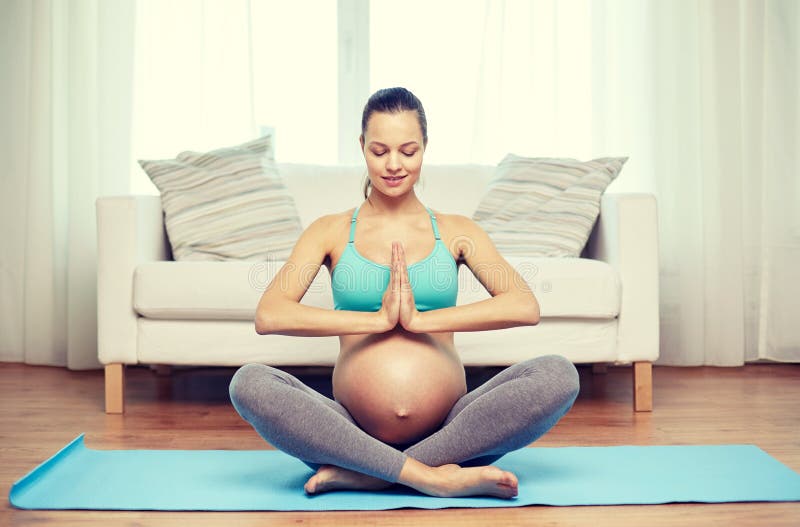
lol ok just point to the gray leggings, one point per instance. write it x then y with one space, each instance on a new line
508 412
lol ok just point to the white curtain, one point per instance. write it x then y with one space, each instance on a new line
66 100
193 83
703 96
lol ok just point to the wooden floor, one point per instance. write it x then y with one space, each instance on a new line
43 408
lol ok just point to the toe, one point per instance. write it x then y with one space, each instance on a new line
311 485
509 479
507 484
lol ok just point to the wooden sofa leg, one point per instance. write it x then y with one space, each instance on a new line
643 386
115 388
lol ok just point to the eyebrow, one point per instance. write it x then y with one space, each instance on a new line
401 146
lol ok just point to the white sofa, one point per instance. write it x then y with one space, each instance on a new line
600 308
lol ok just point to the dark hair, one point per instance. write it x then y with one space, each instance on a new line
393 100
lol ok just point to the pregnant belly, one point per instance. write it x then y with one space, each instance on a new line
399 389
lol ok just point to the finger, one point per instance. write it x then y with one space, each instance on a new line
403 267
400 264
401 253
390 286
405 281
395 278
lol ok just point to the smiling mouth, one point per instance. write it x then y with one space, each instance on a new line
393 178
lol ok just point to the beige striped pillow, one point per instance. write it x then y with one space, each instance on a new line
544 206
227 204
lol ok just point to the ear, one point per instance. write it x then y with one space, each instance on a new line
361 141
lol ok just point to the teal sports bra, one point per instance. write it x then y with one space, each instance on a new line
358 283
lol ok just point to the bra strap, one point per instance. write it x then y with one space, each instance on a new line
433 223
353 225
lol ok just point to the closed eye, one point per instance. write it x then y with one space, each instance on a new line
407 154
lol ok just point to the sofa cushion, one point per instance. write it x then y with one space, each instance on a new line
227 204
543 206
234 342
211 290
565 287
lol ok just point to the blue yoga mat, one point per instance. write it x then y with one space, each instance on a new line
226 480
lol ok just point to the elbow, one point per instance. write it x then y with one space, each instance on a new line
532 312
263 325
274 317
260 327
534 318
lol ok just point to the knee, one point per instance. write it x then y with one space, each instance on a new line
242 386
563 375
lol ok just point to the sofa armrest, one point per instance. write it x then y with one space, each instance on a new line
130 230
626 237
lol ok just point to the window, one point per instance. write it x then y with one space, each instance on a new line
295 77
213 74
410 48
494 77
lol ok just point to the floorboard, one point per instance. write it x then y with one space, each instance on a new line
44 407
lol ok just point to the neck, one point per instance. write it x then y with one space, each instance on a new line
380 203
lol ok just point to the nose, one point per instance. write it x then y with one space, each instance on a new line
393 162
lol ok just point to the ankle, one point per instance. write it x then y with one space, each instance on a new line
429 480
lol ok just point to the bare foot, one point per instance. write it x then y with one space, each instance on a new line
454 481
329 477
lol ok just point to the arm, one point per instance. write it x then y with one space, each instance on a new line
280 312
512 303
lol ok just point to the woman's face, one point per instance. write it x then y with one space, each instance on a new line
393 148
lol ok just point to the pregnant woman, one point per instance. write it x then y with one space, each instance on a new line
401 412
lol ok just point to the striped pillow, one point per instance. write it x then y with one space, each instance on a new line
227 204
544 206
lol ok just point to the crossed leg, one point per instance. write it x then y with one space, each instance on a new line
508 412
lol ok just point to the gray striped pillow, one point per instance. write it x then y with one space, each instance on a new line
544 206
227 204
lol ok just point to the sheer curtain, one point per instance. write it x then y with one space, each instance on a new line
701 94
703 97
217 73
66 99
193 79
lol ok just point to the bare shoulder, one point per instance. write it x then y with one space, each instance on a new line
463 234
473 247
314 238
338 222
456 222
332 221
326 230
